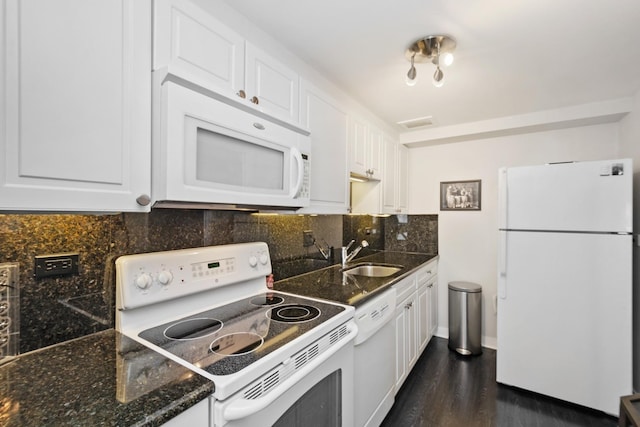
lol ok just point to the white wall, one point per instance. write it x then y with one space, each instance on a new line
468 240
630 147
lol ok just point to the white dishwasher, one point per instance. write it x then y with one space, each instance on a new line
375 359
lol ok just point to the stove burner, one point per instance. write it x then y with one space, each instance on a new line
192 329
293 313
266 299
236 344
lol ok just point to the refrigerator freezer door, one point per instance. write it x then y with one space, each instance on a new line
583 196
564 317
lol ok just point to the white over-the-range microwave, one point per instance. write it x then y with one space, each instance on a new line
206 151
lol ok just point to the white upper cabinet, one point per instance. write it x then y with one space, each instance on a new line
191 44
403 179
365 149
395 188
271 86
327 122
194 46
75 91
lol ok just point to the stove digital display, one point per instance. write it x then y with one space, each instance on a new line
215 264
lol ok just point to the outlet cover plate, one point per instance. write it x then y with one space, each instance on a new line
62 264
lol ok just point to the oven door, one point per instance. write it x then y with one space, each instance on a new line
320 394
212 152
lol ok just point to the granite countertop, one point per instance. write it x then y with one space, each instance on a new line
103 379
108 379
332 284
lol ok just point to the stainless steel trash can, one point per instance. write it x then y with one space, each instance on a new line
465 317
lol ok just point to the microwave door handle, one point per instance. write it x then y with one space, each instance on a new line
297 155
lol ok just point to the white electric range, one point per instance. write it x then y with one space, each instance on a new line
275 358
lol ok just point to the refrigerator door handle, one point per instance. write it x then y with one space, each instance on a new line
502 199
502 226
502 266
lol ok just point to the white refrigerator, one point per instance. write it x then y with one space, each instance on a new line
564 281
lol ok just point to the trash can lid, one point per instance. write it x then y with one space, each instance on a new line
465 287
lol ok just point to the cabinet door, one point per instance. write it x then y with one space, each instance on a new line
329 173
412 324
427 311
75 113
358 137
401 346
272 86
389 188
423 317
403 179
395 192
374 153
433 306
193 45
406 338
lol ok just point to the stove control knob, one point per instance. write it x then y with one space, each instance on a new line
165 277
263 258
253 261
143 281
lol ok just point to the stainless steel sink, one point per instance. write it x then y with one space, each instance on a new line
373 270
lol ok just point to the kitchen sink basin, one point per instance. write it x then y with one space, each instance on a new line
373 270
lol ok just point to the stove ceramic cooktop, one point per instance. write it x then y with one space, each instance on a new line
226 339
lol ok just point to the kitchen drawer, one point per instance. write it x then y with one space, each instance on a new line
405 288
427 272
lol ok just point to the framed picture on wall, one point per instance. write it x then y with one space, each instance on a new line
460 195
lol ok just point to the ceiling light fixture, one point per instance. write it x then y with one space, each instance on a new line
435 49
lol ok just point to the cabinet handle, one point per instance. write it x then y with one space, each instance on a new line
143 200
242 94
430 286
408 305
255 100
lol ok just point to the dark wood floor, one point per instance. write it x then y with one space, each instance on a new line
445 389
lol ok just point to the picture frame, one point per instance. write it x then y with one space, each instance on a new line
461 195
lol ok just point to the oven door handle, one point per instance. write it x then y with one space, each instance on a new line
243 408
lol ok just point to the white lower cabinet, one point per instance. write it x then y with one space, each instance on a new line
75 91
416 318
406 322
427 304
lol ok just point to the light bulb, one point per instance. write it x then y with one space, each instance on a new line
438 78
446 59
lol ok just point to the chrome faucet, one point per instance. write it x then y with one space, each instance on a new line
346 256
326 253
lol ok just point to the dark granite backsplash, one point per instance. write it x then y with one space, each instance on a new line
57 309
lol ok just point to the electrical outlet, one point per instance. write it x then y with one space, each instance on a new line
63 264
307 238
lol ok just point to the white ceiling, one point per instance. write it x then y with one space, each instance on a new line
512 57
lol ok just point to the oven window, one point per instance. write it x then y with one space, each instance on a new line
222 159
321 406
